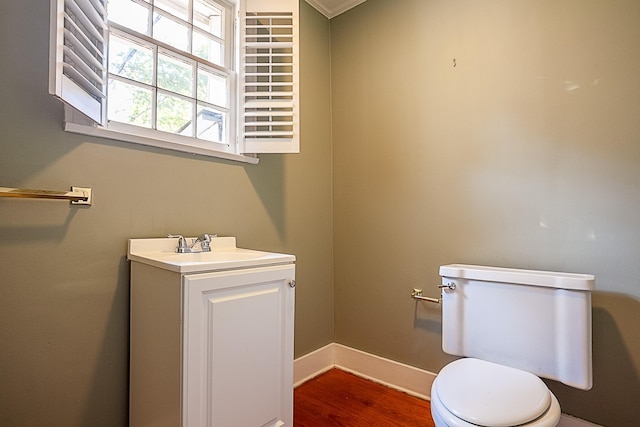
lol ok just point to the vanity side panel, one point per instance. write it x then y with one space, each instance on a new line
155 355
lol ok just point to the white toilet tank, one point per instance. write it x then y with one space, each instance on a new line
537 321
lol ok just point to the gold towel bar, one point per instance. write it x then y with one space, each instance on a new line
77 195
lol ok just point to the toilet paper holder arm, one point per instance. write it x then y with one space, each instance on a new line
417 293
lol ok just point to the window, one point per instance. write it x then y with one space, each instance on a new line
175 74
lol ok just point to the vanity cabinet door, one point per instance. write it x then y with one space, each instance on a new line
238 347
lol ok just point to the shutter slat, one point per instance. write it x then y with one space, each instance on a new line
82 37
268 114
268 85
267 136
261 74
86 54
82 68
267 45
89 9
255 56
87 23
257 124
276 103
100 8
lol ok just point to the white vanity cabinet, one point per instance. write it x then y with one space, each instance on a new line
212 347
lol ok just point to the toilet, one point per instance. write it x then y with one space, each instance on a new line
511 327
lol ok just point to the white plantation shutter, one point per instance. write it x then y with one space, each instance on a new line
268 76
77 60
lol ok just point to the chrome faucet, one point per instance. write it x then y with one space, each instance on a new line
204 240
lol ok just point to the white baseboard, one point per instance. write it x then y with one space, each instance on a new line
411 380
408 379
313 364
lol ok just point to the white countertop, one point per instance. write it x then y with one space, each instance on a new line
224 255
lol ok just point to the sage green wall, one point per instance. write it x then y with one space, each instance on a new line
63 275
492 132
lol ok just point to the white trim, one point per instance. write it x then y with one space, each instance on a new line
331 13
138 139
313 364
408 379
411 380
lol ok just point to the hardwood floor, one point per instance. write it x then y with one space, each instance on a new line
338 398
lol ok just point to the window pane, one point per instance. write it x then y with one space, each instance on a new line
210 124
129 14
174 114
171 32
208 16
129 104
157 87
131 60
212 88
179 8
175 75
207 48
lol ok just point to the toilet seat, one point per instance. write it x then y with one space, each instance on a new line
474 392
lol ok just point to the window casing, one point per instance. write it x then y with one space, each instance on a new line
179 74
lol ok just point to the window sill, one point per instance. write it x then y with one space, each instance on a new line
139 138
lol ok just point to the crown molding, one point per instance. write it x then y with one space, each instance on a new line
333 11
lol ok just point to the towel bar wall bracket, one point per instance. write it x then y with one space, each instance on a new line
77 195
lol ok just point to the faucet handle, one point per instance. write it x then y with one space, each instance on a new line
182 242
204 238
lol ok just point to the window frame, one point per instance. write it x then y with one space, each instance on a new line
160 48
77 121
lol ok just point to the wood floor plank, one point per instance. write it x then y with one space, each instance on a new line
337 398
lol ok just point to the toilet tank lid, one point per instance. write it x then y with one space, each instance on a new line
584 282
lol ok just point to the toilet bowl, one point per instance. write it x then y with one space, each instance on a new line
472 392
510 327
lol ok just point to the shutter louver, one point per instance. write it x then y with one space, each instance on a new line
269 100
78 63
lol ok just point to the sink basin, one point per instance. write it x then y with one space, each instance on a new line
224 255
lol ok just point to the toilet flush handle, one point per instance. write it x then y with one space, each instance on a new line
451 286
